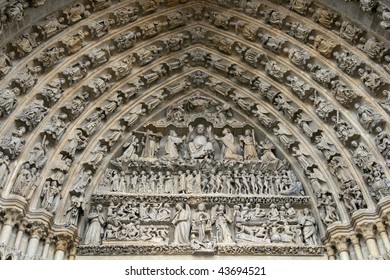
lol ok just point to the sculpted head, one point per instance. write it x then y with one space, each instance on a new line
200 129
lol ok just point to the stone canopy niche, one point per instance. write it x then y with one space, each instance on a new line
197 179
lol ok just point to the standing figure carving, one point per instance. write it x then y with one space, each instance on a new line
222 217
309 228
181 221
248 142
94 233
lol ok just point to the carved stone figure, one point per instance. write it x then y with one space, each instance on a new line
75 208
344 131
134 115
373 48
26 80
325 146
340 170
98 5
5 63
228 146
78 142
299 87
100 85
350 32
126 40
51 26
122 68
221 217
148 54
75 13
8 100
325 17
368 6
299 30
309 228
274 44
299 57
248 142
98 155
348 62
100 28
93 121
323 45
300 6
275 70
346 96
182 222
281 103
200 142
368 117
151 143
75 42
201 224
25 43
4 170
352 197
171 152
371 79
126 15
51 195
82 181
131 148
76 72
327 208
99 56
96 222
33 115
274 17
14 144
322 74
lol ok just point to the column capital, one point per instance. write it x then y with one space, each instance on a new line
340 242
63 241
37 230
367 230
329 251
11 216
381 227
354 239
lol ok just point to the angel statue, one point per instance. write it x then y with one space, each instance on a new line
182 222
221 216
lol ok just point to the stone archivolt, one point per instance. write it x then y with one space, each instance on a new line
193 111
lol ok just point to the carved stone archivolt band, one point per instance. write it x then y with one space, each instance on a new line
125 122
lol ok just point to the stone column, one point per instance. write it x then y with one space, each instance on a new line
367 231
46 247
37 231
11 217
62 244
19 235
356 245
72 252
330 252
341 244
383 233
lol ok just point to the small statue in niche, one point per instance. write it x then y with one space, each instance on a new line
350 32
248 142
5 63
51 195
182 222
327 208
74 210
199 141
75 13
373 48
228 145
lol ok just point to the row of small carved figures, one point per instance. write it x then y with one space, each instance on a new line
275 226
131 211
244 182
